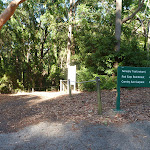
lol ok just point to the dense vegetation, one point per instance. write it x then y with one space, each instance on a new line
34 43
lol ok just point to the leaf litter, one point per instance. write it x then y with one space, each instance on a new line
21 110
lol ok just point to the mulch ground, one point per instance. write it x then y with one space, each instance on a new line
21 110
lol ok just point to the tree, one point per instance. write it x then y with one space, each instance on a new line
9 11
71 14
119 22
69 34
33 43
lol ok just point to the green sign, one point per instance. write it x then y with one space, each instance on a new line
131 77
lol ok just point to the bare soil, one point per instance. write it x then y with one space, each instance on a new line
21 110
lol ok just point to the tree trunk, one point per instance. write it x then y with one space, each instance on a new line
69 45
69 35
74 22
118 24
43 40
9 11
148 40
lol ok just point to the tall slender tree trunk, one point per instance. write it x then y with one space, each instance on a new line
69 35
74 22
120 21
69 45
118 24
148 40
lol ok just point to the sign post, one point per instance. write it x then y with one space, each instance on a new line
131 77
99 96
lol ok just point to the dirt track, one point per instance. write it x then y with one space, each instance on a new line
21 110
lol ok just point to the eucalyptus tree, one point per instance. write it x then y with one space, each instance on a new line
120 21
9 11
71 17
134 33
94 36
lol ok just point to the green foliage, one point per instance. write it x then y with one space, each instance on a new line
1 68
96 51
85 74
106 82
54 76
95 39
5 85
131 54
33 43
5 90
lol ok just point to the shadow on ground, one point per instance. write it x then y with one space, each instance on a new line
58 136
19 111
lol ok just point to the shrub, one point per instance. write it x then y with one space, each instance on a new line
5 90
85 74
106 82
5 85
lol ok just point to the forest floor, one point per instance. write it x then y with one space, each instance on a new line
23 109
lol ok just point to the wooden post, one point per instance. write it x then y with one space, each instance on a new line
63 88
60 85
75 86
69 88
99 96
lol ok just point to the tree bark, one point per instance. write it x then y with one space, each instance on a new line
118 24
9 11
69 34
43 40
148 40
71 15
